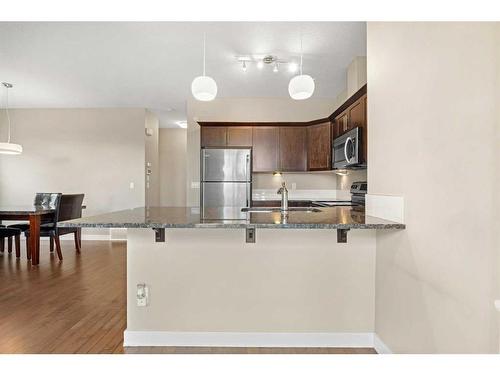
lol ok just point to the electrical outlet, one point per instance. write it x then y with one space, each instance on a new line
142 295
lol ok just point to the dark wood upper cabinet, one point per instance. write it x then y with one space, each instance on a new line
265 148
292 146
319 147
357 114
292 149
342 122
239 136
213 136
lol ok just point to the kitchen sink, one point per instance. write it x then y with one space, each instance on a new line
278 209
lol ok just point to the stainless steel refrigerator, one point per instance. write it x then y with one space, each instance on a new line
226 182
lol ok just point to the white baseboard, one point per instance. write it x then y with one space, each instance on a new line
85 237
248 339
379 346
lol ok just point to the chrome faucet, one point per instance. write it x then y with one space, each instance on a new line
284 196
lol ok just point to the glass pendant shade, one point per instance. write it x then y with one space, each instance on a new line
301 87
10 148
204 88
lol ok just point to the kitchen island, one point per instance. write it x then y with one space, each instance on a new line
293 284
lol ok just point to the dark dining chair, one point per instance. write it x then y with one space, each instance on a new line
10 233
71 208
41 200
48 227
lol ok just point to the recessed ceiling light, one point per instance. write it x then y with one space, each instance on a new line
169 109
292 67
260 64
182 124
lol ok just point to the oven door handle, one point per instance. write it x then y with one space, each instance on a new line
349 139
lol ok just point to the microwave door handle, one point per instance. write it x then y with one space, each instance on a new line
345 149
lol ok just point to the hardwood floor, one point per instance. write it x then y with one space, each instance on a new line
78 305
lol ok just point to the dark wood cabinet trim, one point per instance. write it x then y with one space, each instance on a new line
355 97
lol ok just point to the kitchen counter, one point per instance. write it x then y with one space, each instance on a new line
186 217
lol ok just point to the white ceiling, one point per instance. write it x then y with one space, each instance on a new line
151 65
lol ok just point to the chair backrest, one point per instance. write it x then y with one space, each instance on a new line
70 206
52 201
47 199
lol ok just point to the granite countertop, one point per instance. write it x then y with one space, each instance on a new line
187 217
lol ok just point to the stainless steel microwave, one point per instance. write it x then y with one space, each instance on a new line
346 149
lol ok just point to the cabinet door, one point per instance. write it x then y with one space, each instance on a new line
342 121
265 148
357 114
319 147
293 156
213 136
239 136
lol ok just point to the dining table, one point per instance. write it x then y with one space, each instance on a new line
34 215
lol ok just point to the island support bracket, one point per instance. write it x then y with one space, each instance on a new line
342 235
250 235
159 234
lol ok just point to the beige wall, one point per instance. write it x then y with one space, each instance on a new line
244 109
288 281
173 167
93 151
433 116
152 181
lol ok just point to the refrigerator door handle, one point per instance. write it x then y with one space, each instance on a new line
247 185
247 167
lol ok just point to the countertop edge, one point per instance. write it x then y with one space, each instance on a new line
235 226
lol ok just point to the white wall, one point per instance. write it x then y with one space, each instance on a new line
97 152
433 139
173 167
152 156
326 180
245 109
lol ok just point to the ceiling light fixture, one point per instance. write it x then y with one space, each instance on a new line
260 64
302 86
7 147
203 87
292 67
182 124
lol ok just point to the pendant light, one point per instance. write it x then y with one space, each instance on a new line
203 87
302 86
7 147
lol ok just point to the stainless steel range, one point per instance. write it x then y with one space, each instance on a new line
358 192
